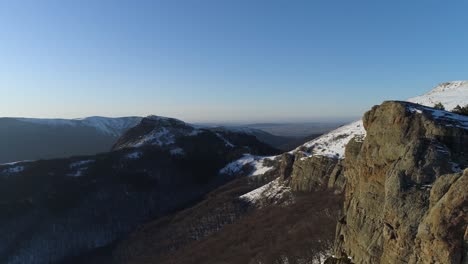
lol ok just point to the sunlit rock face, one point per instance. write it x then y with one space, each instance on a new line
405 198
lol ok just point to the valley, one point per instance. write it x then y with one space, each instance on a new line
168 191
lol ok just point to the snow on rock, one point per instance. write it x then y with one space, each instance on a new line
13 170
256 164
163 132
450 94
446 118
160 136
333 144
271 193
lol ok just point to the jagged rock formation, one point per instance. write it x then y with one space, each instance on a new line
405 199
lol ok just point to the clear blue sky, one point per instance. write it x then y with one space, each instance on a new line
231 60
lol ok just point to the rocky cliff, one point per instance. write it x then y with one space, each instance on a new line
316 173
405 193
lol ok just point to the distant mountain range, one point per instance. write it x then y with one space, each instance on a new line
296 129
54 209
33 139
385 189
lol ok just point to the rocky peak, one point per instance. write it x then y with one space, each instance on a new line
156 131
405 188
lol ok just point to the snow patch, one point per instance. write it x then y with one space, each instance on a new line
448 118
273 193
255 162
226 142
415 110
450 94
333 143
159 136
12 170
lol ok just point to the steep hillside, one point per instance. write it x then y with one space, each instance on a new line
55 210
284 143
33 139
322 163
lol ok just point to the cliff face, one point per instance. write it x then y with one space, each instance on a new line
314 173
405 193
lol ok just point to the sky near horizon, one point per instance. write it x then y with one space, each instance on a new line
229 61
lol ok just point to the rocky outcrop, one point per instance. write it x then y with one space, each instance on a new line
405 197
311 173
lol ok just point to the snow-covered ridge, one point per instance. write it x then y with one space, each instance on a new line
271 193
13 167
258 167
449 86
333 144
450 94
106 125
164 132
161 137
